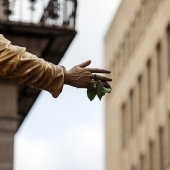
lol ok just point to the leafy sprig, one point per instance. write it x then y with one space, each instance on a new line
98 89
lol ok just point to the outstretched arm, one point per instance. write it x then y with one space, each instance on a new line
19 66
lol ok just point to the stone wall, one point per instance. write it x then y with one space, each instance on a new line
8 123
2 16
138 109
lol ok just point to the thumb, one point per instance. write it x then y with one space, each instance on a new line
85 64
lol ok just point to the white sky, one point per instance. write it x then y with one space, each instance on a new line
67 133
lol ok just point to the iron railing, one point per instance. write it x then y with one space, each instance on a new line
51 12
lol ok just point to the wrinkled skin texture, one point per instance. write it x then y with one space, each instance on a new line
81 77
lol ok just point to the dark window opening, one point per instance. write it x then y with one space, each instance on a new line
161 148
131 111
151 155
140 96
158 52
149 82
168 41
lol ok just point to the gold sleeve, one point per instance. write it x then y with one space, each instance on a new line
19 66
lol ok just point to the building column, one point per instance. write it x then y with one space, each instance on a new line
8 123
2 16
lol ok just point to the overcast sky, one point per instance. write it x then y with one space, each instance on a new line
67 133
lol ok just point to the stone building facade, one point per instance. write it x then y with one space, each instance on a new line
137 50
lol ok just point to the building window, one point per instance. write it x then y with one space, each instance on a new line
169 134
151 155
133 167
149 82
168 40
131 45
139 16
158 53
161 148
131 95
124 125
142 162
140 96
144 12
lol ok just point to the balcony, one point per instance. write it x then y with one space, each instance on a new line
45 27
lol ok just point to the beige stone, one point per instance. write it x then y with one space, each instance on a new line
8 123
133 41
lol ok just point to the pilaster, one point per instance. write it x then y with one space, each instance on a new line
8 123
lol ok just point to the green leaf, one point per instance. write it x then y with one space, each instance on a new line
100 91
107 89
91 93
95 77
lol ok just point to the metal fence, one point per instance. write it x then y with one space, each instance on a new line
51 12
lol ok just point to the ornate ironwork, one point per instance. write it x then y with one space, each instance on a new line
52 11
56 12
61 12
33 4
8 7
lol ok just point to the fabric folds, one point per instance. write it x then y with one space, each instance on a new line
19 66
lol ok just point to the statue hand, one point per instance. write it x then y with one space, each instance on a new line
81 77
